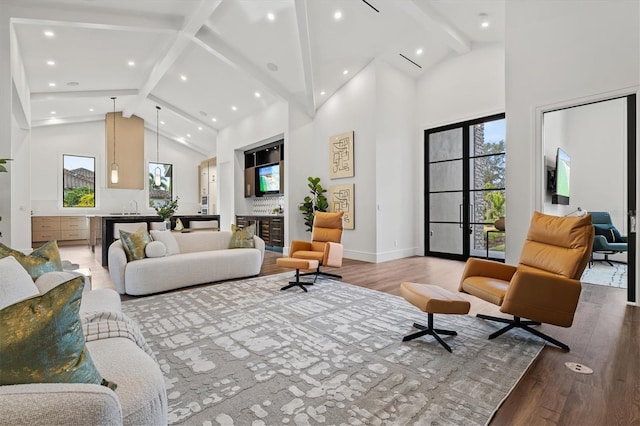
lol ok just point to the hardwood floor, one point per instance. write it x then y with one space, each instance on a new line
605 336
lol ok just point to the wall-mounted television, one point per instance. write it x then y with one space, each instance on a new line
561 178
269 179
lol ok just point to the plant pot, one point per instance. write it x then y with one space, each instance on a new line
499 224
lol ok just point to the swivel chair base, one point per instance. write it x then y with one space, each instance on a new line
516 322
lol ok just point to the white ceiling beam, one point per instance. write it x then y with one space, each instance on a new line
179 112
194 22
213 44
176 139
72 120
436 24
302 17
52 96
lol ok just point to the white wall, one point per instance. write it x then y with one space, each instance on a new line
558 52
48 144
396 149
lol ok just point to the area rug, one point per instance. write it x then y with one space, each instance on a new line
604 274
246 353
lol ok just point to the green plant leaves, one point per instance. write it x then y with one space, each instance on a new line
316 202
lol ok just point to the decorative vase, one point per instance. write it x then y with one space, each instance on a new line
499 224
167 224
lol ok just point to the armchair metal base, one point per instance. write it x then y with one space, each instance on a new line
516 322
319 272
428 329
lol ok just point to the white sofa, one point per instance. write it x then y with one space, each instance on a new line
139 399
197 258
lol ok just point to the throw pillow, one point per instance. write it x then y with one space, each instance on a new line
135 242
242 237
611 234
41 260
41 339
168 239
46 282
15 283
155 249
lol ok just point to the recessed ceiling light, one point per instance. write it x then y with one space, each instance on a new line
337 15
271 16
52 84
51 63
49 33
233 107
322 93
345 72
91 110
53 112
188 135
199 127
183 77
484 20
419 51
131 63
215 120
257 94
162 122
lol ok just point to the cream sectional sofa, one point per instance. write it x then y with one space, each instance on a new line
192 258
139 399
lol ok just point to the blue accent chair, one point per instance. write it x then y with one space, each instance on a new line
607 239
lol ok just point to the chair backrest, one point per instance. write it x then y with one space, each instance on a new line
327 227
601 218
559 245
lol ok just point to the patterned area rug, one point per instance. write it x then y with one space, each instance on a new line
246 353
604 274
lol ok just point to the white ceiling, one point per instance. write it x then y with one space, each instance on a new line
227 50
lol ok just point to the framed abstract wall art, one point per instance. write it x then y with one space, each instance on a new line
341 199
341 156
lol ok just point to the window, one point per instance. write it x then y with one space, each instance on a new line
163 193
78 181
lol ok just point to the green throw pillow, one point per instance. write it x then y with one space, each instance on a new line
41 339
41 260
242 237
135 242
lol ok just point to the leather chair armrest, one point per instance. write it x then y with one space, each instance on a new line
333 254
299 245
543 297
600 243
486 268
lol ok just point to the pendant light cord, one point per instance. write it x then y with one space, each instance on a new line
114 130
157 134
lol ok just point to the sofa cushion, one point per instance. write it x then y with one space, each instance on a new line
41 260
41 339
242 237
46 282
155 249
168 239
134 243
15 283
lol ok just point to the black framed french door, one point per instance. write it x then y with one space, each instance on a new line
465 188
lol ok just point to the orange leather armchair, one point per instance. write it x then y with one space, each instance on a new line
545 286
325 246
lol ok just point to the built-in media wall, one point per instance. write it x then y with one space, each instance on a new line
264 170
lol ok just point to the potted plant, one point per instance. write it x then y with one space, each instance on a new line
316 202
166 211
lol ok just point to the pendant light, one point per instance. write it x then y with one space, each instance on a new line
114 165
157 181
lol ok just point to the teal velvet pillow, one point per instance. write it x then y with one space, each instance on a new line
135 242
242 237
41 260
41 339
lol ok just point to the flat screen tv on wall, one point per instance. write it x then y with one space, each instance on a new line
269 179
562 179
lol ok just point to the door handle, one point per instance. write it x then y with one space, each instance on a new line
460 215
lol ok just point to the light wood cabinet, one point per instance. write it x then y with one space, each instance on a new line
60 228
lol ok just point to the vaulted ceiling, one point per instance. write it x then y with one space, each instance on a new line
209 63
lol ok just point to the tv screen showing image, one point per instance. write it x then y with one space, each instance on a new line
563 173
269 178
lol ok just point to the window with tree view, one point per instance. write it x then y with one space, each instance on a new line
78 181
161 188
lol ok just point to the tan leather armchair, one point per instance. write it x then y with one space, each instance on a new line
325 245
545 286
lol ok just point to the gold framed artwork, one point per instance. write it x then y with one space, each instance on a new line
341 156
341 200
